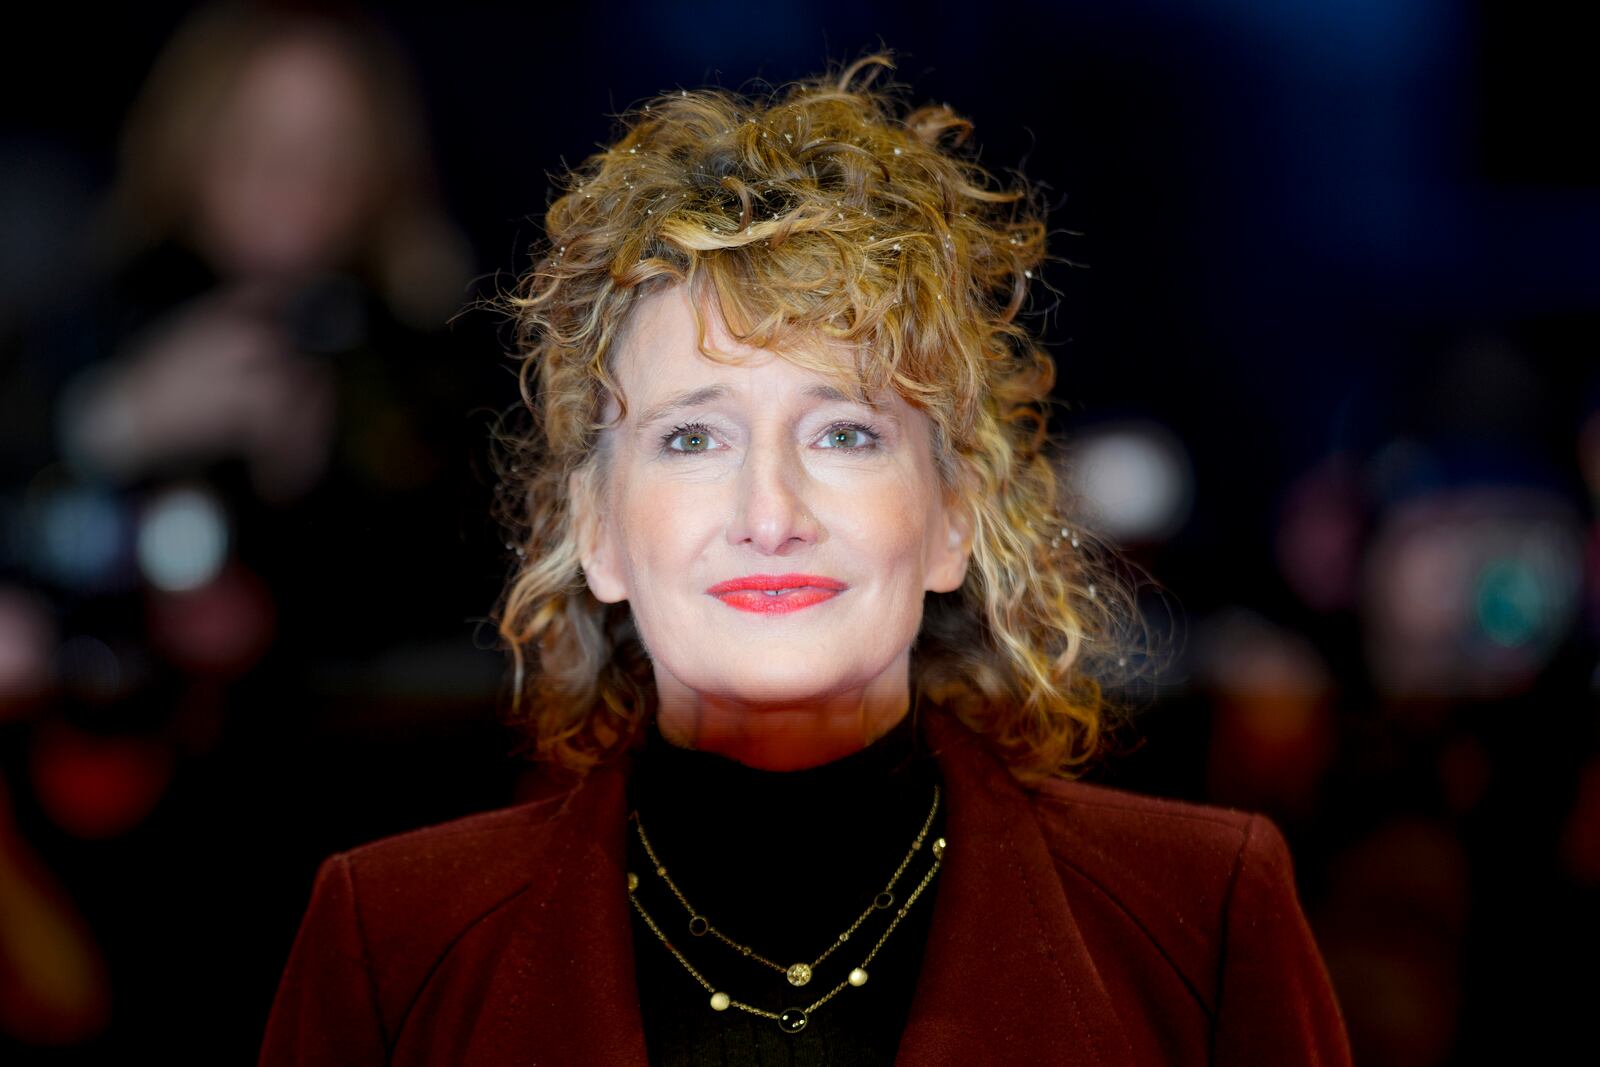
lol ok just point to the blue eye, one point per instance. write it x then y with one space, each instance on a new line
850 436
693 438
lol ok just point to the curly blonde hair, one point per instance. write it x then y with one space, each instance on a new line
829 211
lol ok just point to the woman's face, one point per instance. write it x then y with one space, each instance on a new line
288 171
773 539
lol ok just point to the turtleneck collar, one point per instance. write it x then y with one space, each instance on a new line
810 845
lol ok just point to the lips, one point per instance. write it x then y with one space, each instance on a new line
776 594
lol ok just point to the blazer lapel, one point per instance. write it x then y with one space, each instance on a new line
1006 977
595 996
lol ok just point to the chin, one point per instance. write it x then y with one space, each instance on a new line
789 678
789 692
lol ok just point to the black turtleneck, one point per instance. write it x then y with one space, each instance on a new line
782 861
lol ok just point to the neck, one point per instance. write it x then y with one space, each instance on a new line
783 734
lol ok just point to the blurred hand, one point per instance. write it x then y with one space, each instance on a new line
218 379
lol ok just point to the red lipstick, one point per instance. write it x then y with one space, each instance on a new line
776 594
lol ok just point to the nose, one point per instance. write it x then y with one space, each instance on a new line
771 513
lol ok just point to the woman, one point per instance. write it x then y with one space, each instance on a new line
274 214
270 342
216 423
815 658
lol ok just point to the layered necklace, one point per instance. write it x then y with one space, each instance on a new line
790 1020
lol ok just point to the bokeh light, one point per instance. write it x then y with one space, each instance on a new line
27 637
78 533
96 786
90 670
1468 592
1134 479
183 539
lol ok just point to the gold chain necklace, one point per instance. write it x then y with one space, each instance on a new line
790 1020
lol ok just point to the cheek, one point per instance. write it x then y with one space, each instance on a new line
665 528
886 529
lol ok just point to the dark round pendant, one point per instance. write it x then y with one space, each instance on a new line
792 1021
698 926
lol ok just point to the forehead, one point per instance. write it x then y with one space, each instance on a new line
660 354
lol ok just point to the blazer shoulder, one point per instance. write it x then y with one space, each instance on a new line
473 854
1091 809
383 915
402 902
418 889
1167 867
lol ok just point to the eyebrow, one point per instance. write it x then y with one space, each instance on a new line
828 392
706 394
687 399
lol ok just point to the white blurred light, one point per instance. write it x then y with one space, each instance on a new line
183 540
1135 480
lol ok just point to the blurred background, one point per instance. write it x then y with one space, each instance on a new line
1327 320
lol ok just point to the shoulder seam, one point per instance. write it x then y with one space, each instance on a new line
366 951
1227 923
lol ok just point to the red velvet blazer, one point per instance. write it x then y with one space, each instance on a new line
1073 924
